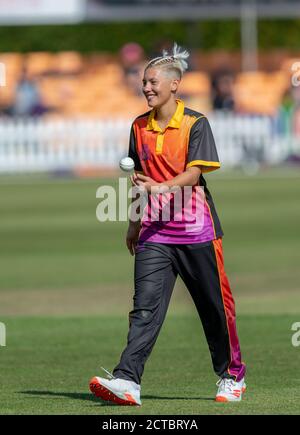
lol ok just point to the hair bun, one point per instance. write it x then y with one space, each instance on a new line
180 56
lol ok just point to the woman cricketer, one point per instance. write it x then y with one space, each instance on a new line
172 145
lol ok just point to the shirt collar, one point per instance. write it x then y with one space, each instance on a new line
175 121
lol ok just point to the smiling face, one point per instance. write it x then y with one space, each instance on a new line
159 85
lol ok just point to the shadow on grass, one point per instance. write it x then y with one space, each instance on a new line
78 396
91 398
175 398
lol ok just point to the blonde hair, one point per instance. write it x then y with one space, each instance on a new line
175 61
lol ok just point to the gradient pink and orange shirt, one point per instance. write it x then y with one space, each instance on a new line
162 155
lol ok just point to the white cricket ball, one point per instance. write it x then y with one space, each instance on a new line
126 164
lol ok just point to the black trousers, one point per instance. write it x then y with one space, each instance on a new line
201 268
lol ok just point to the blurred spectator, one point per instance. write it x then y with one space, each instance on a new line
132 61
159 46
222 88
290 100
290 109
27 97
296 118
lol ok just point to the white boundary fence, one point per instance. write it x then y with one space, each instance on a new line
35 145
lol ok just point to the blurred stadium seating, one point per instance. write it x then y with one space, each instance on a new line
71 84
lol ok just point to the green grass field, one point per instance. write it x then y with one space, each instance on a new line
66 289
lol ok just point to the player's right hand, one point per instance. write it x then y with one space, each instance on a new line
132 237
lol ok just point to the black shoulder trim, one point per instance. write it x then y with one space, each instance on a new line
143 115
191 112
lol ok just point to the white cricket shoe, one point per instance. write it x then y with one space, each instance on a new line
116 390
230 390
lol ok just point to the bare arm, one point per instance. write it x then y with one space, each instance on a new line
187 178
133 231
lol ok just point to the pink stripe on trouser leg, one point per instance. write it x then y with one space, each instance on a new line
236 367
